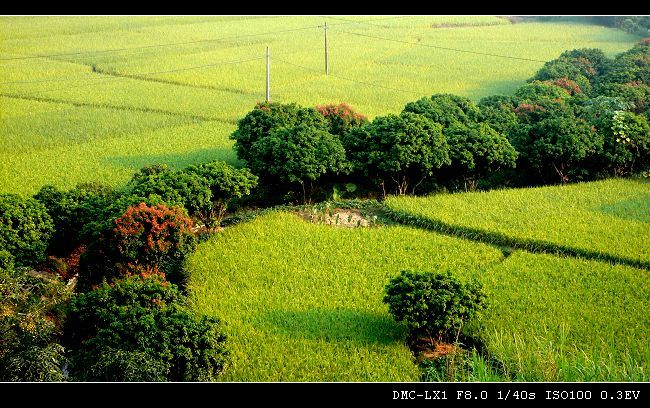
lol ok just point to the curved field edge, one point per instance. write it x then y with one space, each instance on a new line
302 302
603 220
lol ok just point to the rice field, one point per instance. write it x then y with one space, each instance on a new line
110 94
302 302
609 219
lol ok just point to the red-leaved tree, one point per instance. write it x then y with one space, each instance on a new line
146 237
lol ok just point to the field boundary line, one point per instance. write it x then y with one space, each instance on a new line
175 83
116 107
503 240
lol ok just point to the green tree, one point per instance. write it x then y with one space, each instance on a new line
180 188
267 116
225 183
140 324
476 151
404 150
435 304
498 112
71 211
445 109
559 144
25 228
626 143
298 155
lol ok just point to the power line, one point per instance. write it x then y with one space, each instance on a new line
349 79
92 74
156 45
131 76
28 57
441 48
369 22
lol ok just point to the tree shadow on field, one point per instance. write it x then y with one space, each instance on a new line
335 325
174 160
635 209
497 87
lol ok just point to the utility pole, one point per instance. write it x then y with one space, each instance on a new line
268 74
327 62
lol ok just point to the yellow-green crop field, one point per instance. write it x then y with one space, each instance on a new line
608 219
302 302
95 98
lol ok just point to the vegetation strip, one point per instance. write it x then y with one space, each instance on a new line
503 240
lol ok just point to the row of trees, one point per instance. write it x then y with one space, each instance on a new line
583 116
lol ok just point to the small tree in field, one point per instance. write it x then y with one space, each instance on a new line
267 116
435 304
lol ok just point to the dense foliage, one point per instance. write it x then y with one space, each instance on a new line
225 184
72 211
435 304
137 329
267 116
30 315
397 152
204 190
25 228
476 151
144 240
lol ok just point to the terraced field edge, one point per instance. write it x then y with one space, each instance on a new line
503 240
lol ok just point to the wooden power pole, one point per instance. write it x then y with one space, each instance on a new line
268 74
327 62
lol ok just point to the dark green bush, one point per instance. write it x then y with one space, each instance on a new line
445 109
140 326
298 156
498 112
434 304
72 211
476 151
179 188
25 228
559 147
268 116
